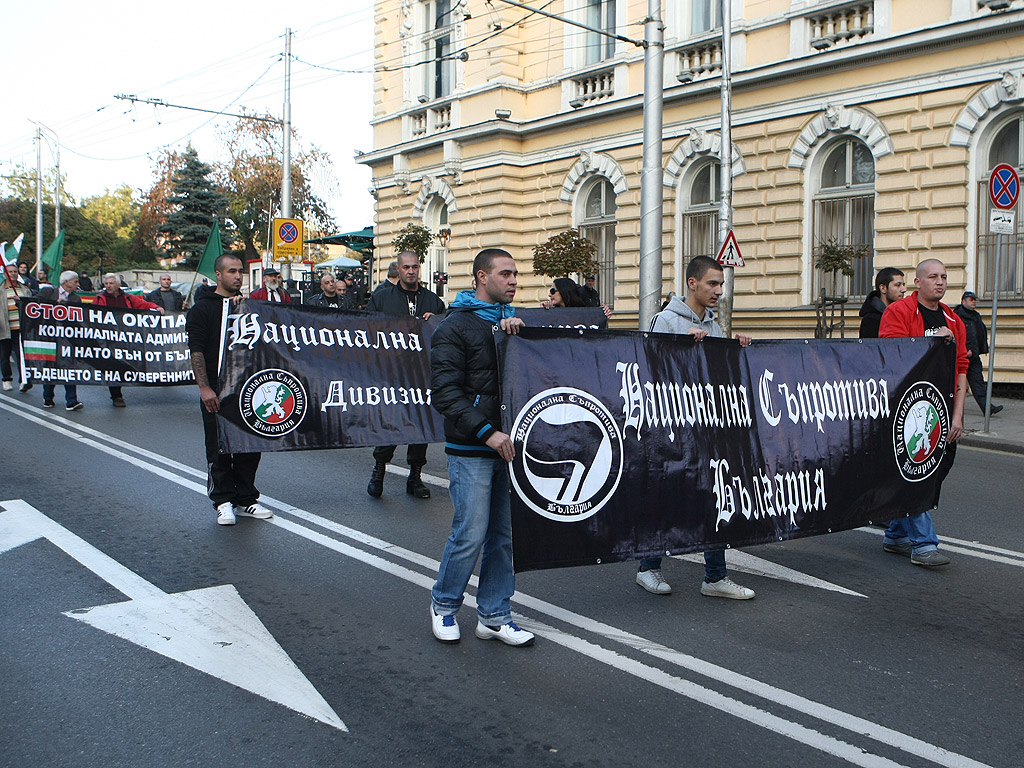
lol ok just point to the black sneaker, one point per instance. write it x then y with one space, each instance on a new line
75 406
47 403
995 409
25 387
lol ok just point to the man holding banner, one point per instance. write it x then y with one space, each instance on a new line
231 479
705 279
113 296
464 380
923 314
67 293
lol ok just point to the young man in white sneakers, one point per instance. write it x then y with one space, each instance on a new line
464 380
695 316
231 478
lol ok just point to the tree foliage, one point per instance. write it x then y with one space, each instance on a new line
252 181
565 253
413 237
195 200
20 184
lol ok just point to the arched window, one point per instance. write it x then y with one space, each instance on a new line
435 265
844 211
700 221
596 222
1007 146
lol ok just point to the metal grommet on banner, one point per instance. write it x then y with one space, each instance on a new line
503 406
581 331
598 561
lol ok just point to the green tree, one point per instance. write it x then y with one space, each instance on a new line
20 184
252 181
119 210
563 253
195 201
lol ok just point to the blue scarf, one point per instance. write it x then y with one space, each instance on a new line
492 313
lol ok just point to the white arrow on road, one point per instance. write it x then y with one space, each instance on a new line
211 630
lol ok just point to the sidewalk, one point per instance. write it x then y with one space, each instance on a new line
1006 429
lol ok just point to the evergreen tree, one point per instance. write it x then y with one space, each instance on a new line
196 200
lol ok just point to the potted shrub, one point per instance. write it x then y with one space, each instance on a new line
413 237
565 253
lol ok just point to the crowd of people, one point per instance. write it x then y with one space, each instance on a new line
465 386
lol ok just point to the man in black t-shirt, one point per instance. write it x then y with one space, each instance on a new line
329 295
414 300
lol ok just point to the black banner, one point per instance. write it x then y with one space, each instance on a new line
76 344
592 318
631 444
300 378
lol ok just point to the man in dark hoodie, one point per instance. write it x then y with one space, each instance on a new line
231 480
977 345
890 286
464 380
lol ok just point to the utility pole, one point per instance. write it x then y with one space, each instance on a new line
651 176
286 163
39 198
56 191
725 169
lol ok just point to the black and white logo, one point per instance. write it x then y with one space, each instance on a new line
919 431
272 402
568 454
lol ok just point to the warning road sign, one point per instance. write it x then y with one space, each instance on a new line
729 255
288 237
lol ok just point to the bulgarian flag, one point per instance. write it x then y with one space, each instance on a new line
43 351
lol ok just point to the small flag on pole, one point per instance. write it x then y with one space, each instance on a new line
53 257
211 253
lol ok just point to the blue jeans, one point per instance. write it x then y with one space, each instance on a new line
714 565
917 529
70 393
482 522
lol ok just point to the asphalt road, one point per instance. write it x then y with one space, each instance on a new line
848 655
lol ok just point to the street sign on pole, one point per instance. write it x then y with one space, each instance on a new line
729 254
1003 190
1004 187
288 239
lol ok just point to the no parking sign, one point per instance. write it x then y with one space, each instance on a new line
288 237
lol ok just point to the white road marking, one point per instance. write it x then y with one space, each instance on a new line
741 561
827 714
211 630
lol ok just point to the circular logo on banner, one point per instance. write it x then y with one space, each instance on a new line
568 454
919 431
272 402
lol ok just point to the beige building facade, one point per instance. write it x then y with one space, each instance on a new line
874 124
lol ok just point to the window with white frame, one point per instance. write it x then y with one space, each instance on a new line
596 222
1005 273
844 211
599 14
439 66
435 218
705 15
700 219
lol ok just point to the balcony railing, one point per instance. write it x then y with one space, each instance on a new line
593 87
699 61
838 26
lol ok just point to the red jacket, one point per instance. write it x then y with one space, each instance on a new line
131 301
902 319
260 294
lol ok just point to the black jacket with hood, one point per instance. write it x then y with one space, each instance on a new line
871 315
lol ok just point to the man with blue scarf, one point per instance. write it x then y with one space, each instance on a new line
464 381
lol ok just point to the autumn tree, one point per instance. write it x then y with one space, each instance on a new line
252 181
195 200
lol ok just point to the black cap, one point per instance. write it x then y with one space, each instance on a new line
968 295
269 272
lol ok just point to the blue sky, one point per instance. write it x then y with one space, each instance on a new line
65 61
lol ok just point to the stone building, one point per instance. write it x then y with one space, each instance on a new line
873 123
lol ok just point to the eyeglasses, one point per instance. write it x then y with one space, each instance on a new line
552 292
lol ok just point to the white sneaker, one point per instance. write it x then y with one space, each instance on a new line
8 386
726 588
445 628
254 510
225 516
508 633
653 582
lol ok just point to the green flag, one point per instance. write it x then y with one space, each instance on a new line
53 256
211 253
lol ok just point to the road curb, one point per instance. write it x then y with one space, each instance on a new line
991 442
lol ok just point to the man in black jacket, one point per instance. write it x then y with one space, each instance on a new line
406 298
329 295
890 286
464 381
65 293
165 296
231 479
977 344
